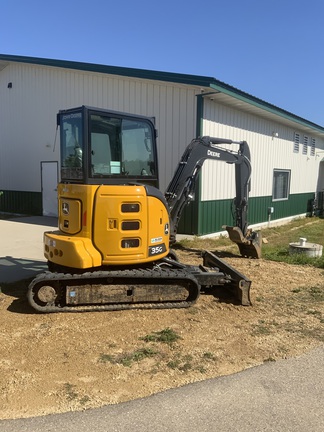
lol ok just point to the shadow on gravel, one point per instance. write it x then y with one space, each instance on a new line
17 290
15 276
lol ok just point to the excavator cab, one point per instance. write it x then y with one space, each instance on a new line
106 145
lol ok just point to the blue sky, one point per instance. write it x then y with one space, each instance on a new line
271 49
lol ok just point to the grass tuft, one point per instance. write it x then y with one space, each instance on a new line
168 336
127 359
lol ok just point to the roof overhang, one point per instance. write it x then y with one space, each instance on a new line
222 92
256 106
262 109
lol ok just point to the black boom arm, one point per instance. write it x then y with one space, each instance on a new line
181 187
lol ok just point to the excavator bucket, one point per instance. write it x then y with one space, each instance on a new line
249 245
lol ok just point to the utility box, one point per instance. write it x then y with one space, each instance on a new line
320 204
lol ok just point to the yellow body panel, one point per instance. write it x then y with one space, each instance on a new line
107 225
75 252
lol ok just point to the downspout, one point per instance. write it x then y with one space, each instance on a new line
199 114
199 132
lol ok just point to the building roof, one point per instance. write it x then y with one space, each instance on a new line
213 86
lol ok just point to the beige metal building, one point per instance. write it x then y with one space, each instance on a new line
286 150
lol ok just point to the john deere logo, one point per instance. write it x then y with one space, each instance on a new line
65 208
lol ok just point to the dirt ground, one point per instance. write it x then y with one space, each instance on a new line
62 362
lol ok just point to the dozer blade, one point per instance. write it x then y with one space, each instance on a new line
249 245
239 284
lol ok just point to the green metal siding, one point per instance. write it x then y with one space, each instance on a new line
188 223
295 205
209 216
19 202
189 219
213 215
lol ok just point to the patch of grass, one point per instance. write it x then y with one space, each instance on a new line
296 290
206 243
277 248
208 356
316 313
302 330
314 333
127 359
317 293
187 366
192 310
312 294
201 369
310 228
186 363
281 254
84 400
181 363
269 359
112 345
72 395
168 336
142 353
106 358
174 364
261 329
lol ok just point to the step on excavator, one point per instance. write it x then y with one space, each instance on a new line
113 247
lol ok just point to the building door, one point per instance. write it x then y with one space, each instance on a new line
49 188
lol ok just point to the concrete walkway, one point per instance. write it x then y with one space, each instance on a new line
21 246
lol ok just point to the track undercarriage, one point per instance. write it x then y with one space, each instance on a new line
167 284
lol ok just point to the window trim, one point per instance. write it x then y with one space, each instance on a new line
279 170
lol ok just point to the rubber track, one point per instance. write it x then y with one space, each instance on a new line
85 278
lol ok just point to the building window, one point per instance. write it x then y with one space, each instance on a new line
296 142
281 184
313 145
305 145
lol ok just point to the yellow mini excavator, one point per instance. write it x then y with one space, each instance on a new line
115 228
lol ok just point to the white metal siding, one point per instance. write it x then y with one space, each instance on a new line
28 116
28 122
267 152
